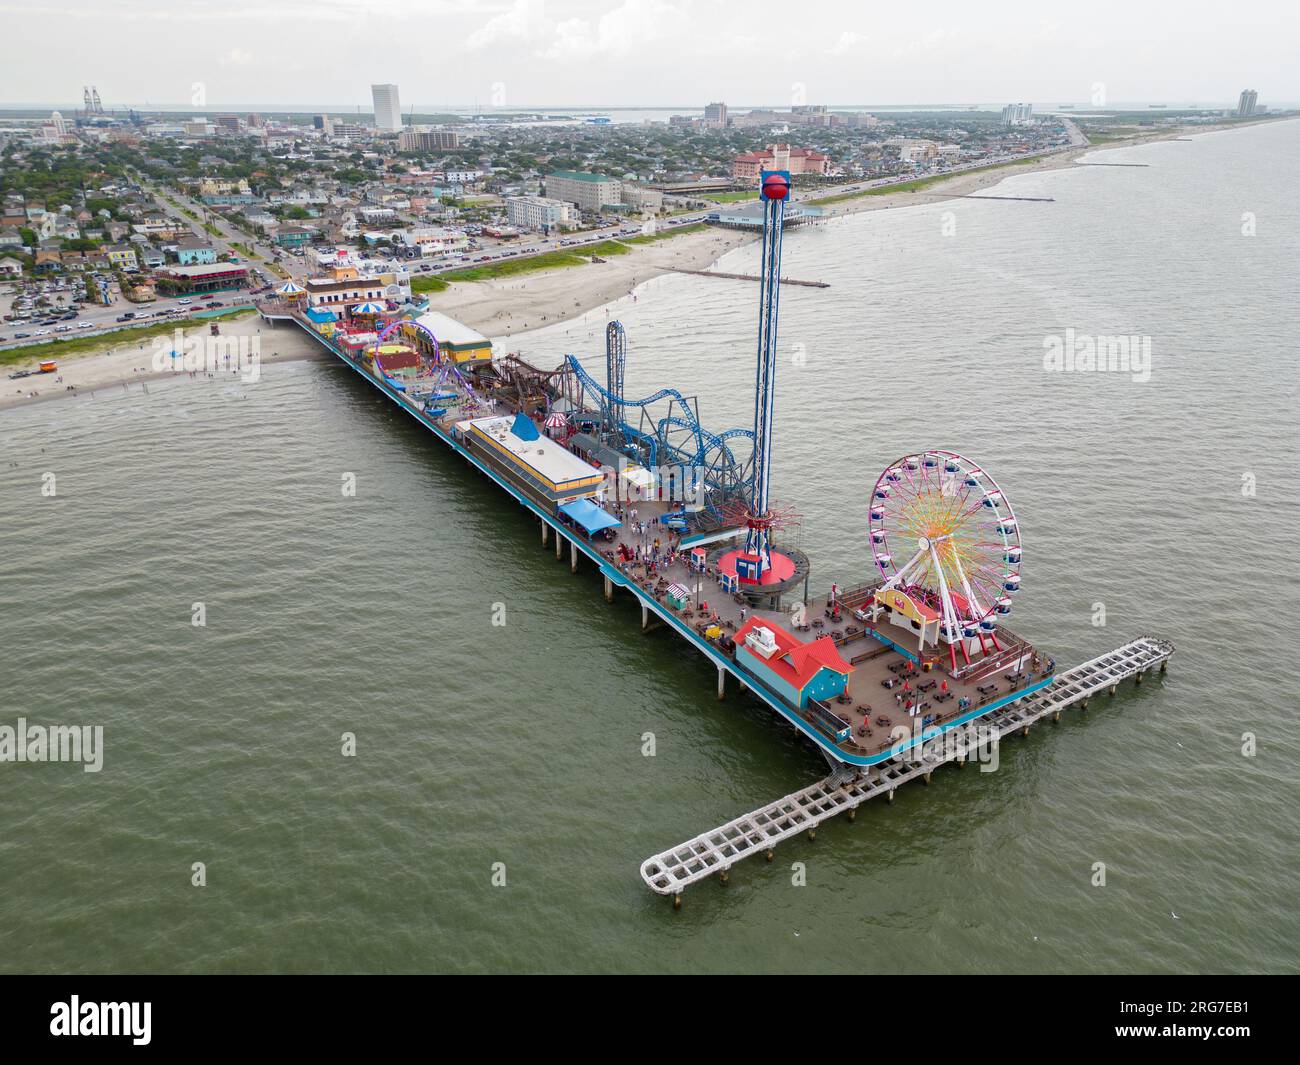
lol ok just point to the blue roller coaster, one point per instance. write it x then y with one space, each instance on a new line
675 438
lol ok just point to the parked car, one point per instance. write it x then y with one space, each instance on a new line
21 336
85 325
126 317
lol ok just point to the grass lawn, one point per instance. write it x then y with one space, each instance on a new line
56 349
730 197
668 234
550 260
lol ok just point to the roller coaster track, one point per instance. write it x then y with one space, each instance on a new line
705 441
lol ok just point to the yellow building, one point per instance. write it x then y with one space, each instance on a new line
466 346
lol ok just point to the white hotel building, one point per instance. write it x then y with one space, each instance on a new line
539 213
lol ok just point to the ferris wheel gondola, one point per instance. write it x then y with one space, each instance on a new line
944 535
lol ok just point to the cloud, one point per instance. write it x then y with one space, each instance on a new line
237 57
522 21
626 30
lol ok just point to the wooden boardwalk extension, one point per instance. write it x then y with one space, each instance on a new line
716 851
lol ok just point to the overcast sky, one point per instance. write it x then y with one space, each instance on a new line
521 53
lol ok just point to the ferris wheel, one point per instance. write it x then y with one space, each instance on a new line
944 535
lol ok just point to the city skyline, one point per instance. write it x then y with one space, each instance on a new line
571 53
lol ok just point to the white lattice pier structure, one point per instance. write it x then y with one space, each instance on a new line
716 851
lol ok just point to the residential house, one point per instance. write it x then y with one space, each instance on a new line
122 256
293 236
189 252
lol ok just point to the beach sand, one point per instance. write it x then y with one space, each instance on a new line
123 365
502 307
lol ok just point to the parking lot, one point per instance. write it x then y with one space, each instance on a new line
54 309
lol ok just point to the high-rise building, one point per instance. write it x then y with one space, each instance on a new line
716 115
1017 114
427 140
1247 103
388 111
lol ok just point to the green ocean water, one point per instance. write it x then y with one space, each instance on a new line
522 745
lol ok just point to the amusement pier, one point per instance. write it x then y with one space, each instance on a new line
911 668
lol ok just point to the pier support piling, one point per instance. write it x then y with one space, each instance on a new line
559 547
722 683
724 876
677 902
573 556
843 791
926 777
853 813
645 617
546 533
609 590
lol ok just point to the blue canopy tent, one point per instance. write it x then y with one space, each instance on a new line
524 428
321 317
585 513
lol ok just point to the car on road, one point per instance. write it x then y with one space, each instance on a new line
85 325
63 329
126 317
184 303
41 333
21 336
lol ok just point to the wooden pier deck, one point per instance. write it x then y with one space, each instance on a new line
758 832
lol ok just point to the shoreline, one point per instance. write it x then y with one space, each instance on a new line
501 308
123 365
504 307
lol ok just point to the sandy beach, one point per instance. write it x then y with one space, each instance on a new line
124 365
506 306
503 307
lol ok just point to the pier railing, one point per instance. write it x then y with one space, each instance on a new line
758 832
